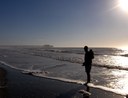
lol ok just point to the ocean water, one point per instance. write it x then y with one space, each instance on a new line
109 71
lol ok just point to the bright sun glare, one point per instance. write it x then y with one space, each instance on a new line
123 4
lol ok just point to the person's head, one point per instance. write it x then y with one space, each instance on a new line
85 48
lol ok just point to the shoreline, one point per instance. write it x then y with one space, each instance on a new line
21 85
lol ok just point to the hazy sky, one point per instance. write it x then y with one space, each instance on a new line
75 23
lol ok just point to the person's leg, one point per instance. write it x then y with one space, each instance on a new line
88 77
88 74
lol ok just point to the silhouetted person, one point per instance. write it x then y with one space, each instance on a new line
89 55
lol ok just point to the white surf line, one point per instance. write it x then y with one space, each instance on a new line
120 92
60 79
48 77
117 91
4 63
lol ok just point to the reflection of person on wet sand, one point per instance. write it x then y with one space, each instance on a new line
85 93
86 96
89 55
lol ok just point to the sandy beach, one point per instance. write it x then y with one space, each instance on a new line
19 85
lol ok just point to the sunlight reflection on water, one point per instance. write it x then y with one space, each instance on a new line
119 60
120 80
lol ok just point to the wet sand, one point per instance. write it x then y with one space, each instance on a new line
19 85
